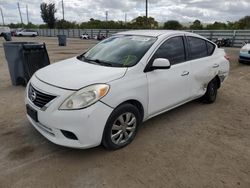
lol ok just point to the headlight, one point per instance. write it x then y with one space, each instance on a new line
85 97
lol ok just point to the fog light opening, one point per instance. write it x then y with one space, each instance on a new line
69 135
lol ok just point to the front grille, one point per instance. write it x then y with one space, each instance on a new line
39 98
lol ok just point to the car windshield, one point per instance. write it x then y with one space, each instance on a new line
119 51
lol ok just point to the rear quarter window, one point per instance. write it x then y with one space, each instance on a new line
210 48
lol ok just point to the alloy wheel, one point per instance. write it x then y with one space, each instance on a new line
123 128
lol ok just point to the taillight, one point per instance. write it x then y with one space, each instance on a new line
227 57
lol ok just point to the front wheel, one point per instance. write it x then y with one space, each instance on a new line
211 93
121 127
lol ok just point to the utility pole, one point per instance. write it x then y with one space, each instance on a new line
63 9
2 16
27 12
146 13
20 13
107 12
125 18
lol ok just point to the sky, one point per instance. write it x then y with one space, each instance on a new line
184 11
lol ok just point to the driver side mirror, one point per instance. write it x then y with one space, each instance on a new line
161 63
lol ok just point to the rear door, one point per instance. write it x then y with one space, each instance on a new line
203 64
29 32
169 87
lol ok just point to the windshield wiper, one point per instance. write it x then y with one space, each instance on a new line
100 62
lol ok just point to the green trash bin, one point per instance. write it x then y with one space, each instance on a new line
62 40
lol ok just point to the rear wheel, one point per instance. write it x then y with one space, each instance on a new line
121 127
211 93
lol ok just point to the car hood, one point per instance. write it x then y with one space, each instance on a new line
75 74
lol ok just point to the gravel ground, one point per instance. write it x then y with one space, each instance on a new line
195 145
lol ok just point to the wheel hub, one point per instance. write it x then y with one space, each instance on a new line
123 128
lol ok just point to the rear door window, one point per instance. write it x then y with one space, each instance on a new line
210 48
197 48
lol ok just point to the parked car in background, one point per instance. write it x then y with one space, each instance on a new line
221 42
245 42
27 32
244 55
103 95
84 36
13 32
4 30
99 37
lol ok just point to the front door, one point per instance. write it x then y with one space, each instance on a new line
169 87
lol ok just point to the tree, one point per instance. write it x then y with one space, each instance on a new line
31 26
143 22
172 24
64 24
48 14
217 25
20 25
15 25
244 23
196 25
232 25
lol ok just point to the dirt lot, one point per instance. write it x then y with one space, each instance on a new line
195 145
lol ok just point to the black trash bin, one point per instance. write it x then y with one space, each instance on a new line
35 57
62 40
23 59
7 36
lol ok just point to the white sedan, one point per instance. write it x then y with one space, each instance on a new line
104 95
244 55
27 33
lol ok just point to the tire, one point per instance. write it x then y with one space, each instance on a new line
211 93
20 35
240 61
116 134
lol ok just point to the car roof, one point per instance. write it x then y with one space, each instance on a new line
154 33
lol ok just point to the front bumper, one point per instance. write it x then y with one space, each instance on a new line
86 124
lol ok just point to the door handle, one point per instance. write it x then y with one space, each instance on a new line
185 73
216 65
